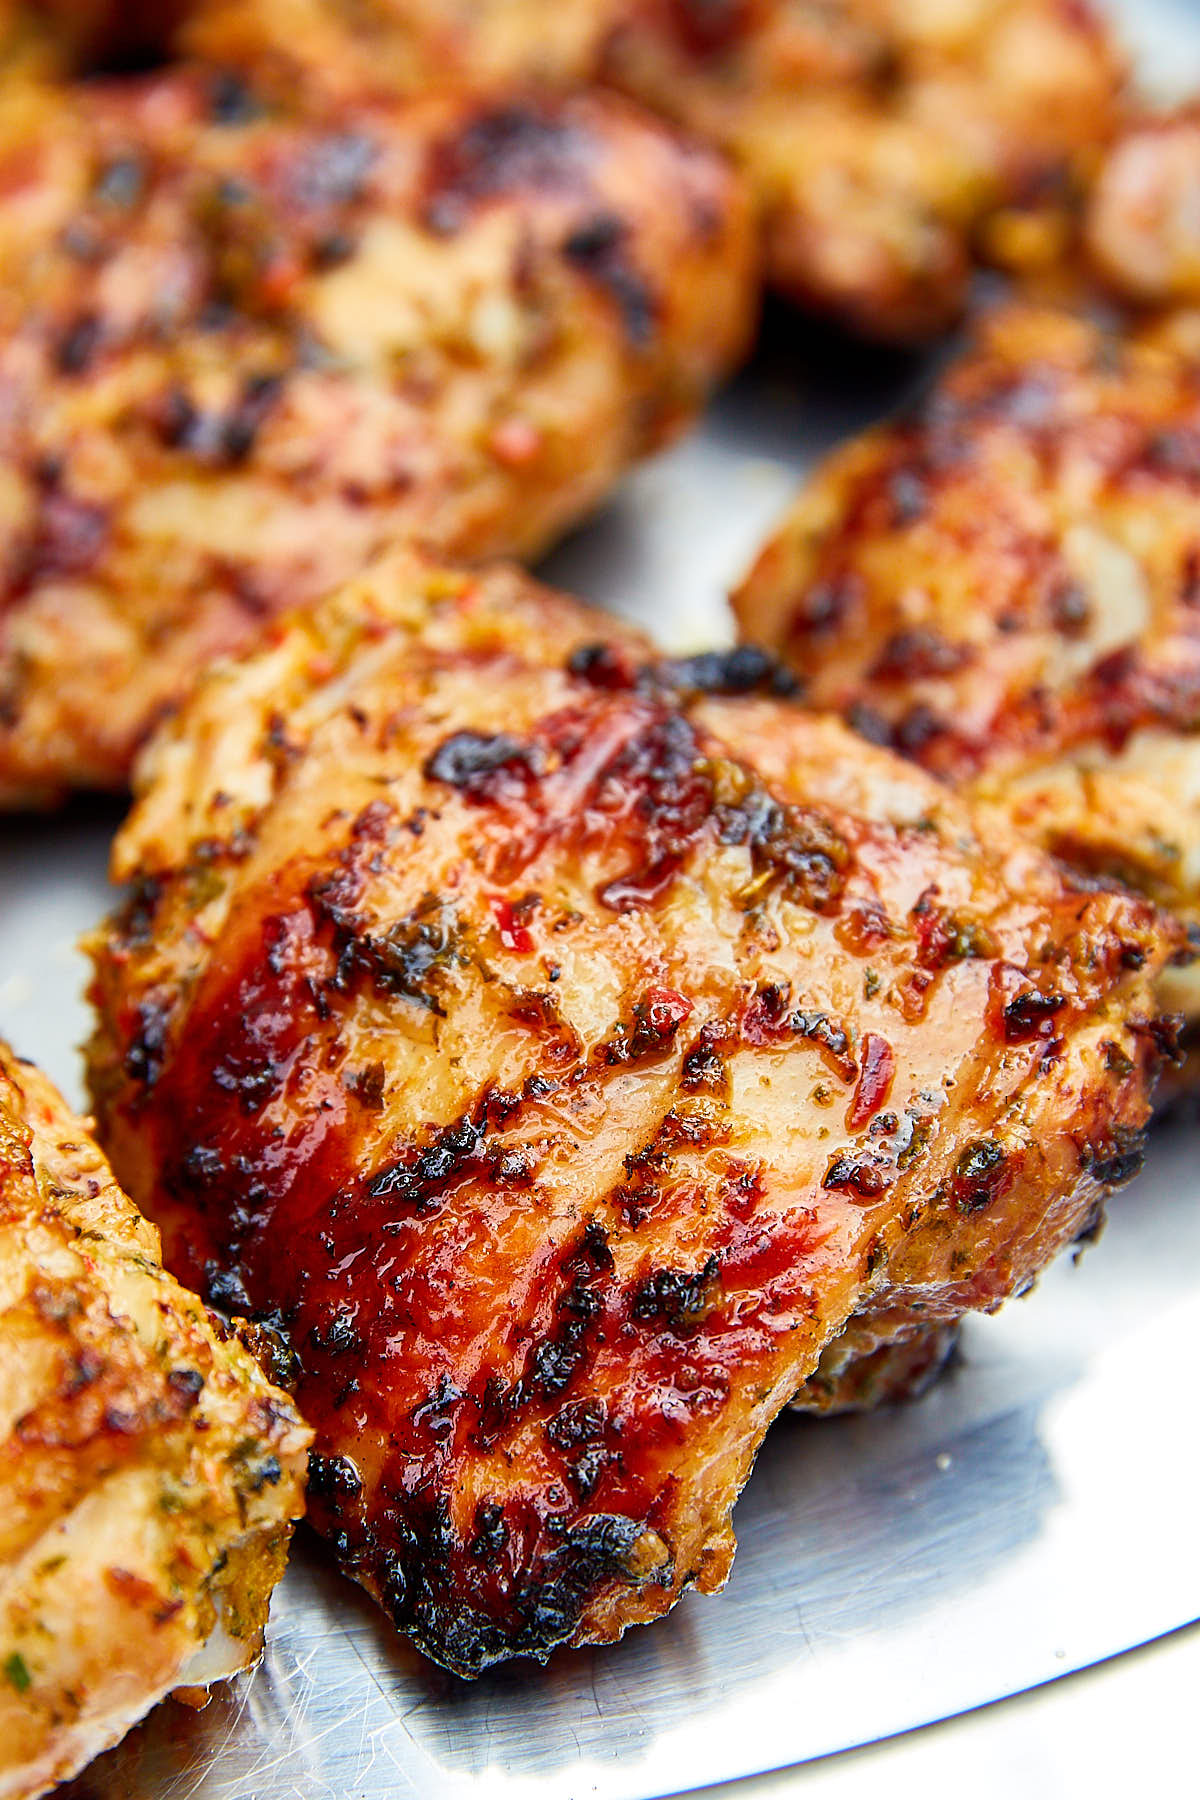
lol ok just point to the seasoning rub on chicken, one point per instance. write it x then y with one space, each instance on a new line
1005 586
149 1474
886 142
570 1050
242 348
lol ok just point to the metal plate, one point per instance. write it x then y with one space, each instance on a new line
1032 1515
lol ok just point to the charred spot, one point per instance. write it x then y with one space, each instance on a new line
436 1417
855 1175
337 1335
421 1179
657 1017
491 1530
1176 453
1117 1157
917 654
1070 609
792 847
406 958
219 440
78 345
745 669
704 1070
143 1060
869 724
917 729
671 799
1031 1015
981 1174
230 100
483 766
908 497
599 249
332 1478
186 1385
224 1289
678 1299
1162 1035
367 1085
822 608
121 182
604 666
501 152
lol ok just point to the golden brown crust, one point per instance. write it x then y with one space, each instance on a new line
149 1475
563 1047
1005 587
241 351
877 135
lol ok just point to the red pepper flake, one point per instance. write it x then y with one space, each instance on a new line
874 1083
513 934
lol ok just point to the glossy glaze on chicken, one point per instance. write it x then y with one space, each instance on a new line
567 1051
1005 586
243 349
886 142
149 1474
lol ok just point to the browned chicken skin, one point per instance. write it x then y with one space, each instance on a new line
240 351
149 1475
878 135
566 1050
1004 586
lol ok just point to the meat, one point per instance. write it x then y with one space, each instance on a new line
1005 586
242 349
149 1474
1142 227
569 1051
881 138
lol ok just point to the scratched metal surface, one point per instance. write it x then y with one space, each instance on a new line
1032 1515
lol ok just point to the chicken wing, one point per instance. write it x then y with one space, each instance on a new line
876 134
1004 586
149 1475
566 1050
240 351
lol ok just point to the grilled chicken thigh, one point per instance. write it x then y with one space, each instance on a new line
877 134
149 1475
1004 586
574 1055
241 350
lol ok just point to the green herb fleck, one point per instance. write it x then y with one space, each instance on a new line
871 983
17 1671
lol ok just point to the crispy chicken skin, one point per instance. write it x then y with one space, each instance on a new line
877 134
149 1474
567 1049
240 352
1005 585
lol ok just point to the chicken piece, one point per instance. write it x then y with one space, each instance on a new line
241 351
1142 227
149 1474
567 1049
876 134
1004 586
